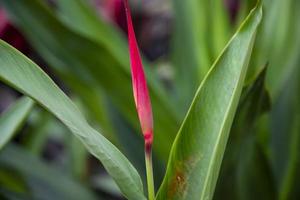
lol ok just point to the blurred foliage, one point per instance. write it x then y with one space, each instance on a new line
87 56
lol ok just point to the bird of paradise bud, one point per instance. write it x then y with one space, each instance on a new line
142 99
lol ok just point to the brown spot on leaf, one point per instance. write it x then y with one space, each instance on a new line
177 187
177 184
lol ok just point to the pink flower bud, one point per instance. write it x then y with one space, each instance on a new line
139 83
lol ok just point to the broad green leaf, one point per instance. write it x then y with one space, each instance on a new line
13 118
22 74
44 182
92 65
198 149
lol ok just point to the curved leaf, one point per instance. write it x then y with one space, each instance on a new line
198 149
22 74
13 118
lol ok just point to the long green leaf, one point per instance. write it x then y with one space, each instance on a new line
198 149
22 74
13 118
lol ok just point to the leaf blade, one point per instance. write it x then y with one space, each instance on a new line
22 74
187 177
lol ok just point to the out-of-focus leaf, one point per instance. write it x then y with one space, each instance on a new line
220 25
285 138
80 17
286 58
107 184
43 127
12 182
198 149
45 182
201 32
254 174
243 150
22 74
190 48
78 157
37 131
9 195
278 44
13 118
92 64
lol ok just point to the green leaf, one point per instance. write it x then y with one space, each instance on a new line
22 74
43 181
13 118
198 149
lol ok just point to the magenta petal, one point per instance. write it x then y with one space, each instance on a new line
139 83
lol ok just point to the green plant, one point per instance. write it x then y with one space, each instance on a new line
243 100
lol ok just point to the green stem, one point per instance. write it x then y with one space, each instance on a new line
149 171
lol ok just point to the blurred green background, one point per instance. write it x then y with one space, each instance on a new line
82 45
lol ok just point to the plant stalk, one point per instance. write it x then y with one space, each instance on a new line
149 172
